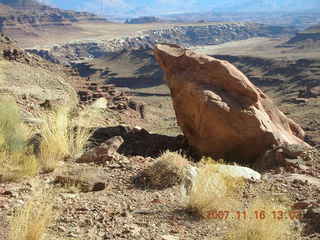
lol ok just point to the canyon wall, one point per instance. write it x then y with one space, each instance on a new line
184 35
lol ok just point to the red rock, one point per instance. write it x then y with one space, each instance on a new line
301 205
219 110
104 152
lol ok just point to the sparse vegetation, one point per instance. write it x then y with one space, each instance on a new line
12 133
214 191
62 138
266 220
15 160
32 220
167 171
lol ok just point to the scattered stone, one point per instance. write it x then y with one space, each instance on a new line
304 179
85 179
284 155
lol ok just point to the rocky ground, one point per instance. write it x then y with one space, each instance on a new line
118 207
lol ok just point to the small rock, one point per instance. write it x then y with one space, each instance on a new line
301 205
85 179
100 103
104 152
169 237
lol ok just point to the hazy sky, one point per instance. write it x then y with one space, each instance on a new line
157 7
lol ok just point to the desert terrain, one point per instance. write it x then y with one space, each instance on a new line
148 131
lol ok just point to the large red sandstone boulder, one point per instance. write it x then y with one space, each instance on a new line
219 110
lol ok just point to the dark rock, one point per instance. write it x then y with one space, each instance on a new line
35 143
47 105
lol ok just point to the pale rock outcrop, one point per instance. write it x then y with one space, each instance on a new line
221 113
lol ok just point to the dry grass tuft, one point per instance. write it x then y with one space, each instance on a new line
32 220
61 138
168 170
262 224
12 131
214 191
15 160
17 165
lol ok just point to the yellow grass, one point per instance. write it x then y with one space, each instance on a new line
15 160
61 138
214 191
17 165
168 169
262 224
32 220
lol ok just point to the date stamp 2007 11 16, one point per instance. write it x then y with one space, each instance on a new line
258 214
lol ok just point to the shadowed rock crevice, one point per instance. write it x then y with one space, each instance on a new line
139 142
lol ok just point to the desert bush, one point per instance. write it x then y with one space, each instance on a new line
213 191
265 221
168 170
31 221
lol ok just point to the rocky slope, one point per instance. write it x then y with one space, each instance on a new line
31 79
185 35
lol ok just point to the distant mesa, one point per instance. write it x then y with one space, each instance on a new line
29 18
142 20
308 37
22 4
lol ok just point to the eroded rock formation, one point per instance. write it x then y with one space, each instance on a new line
219 110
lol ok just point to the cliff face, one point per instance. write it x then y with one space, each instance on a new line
142 20
184 35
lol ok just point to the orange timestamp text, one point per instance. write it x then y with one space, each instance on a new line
258 214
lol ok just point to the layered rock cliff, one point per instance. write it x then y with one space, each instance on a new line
184 35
